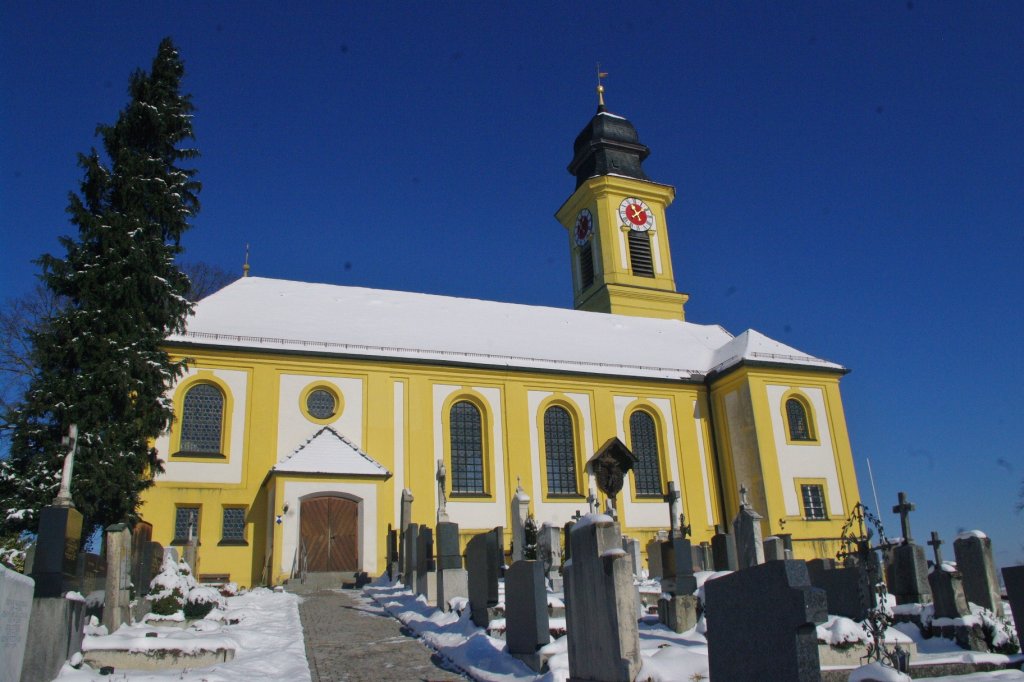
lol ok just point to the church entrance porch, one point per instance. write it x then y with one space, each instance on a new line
329 533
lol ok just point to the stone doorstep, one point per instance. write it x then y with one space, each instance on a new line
158 659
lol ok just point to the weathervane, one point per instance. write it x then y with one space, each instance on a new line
245 268
600 87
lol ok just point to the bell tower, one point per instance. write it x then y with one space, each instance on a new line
618 237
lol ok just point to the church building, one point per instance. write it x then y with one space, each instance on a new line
308 408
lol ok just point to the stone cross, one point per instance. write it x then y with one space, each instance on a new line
903 509
744 502
442 501
934 543
69 441
673 499
592 501
577 516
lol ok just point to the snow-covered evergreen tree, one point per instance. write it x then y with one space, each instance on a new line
98 361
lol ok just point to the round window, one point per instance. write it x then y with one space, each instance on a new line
321 404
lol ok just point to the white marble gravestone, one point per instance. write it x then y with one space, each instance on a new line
15 609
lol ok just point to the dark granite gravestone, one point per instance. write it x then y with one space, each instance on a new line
447 546
426 569
677 567
907 570
526 611
654 567
404 520
392 550
410 541
142 534
499 548
150 561
1013 579
601 612
774 550
56 561
452 580
973 551
845 588
761 624
946 583
482 565
723 552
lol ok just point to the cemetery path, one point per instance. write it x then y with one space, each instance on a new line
351 641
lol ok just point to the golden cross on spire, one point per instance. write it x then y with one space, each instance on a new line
245 268
600 87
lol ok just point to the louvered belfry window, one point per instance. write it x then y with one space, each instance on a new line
466 448
799 426
560 451
202 417
640 260
586 266
644 438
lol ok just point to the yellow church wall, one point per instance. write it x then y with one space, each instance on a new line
411 405
768 388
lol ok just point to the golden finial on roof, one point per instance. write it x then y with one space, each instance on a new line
600 87
245 268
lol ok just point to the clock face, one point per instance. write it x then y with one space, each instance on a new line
636 215
584 227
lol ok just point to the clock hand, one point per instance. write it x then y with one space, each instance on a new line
636 211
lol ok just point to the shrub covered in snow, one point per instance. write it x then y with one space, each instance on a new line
229 589
201 600
169 587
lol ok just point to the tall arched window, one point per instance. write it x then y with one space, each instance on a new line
467 448
560 451
644 436
202 420
799 421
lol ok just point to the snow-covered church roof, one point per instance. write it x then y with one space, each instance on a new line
283 315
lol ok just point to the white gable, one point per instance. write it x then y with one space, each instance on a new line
329 452
256 312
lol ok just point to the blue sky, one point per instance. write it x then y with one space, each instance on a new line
850 178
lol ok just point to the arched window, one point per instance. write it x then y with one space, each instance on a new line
202 420
799 421
467 448
644 436
560 451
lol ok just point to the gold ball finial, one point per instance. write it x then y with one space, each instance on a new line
245 267
600 87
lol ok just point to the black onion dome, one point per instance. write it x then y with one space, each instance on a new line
608 145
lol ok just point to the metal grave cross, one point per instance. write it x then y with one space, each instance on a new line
935 542
903 509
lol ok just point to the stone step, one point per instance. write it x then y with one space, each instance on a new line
314 582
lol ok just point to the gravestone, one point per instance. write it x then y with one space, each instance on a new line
787 543
973 551
16 592
393 554
149 563
846 589
520 510
54 568
117 595
482 565
601 612
452 579
747 529
677 612
677 567
1013 579
946 583
907 571
404 520
526 611
774 550
142 535
410 543
549 548
706 562
654 567
632 548
499 548
426 569
723 551
769 613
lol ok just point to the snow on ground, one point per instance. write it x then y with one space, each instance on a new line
267 641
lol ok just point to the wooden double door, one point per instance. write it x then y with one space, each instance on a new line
329 529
